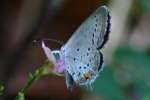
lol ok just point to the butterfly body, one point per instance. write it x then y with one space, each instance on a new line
81 56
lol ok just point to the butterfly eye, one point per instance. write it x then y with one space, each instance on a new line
56 55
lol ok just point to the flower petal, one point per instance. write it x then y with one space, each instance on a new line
48 53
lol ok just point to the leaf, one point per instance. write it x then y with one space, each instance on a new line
1 89
107 87
137 65
135 62
21 96
30 76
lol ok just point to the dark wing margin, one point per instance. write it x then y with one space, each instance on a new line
106 34
101 61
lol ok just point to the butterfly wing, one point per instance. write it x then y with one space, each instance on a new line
94 30
81 53
84 66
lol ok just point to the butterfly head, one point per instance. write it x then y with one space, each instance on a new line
59 65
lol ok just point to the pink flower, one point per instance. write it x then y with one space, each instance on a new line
58 64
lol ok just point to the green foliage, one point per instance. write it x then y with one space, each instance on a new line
137 64
145 4
1 89
21 96
107 87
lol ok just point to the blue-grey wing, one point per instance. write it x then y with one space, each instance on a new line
79 63
93 31
83 48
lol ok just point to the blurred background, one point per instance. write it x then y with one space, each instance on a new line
126 75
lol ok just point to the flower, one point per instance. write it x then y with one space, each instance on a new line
58 63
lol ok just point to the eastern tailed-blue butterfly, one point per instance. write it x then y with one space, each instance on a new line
80 58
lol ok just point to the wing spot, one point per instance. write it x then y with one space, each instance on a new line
87 54
87 64
93 41
88 49
96 25
84 67
93 35
95 29
74 59
90 60
73 73
80 67
78 49
96 20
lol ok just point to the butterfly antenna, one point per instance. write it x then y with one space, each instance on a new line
53 40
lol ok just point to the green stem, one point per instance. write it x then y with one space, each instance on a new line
45 70
32 78
29 83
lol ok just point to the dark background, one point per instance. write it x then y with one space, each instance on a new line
127 54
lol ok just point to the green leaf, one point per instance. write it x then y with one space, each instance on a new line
145 5
135 62
137 65
30 76
21 96
107 87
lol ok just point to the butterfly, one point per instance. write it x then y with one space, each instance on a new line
80 59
